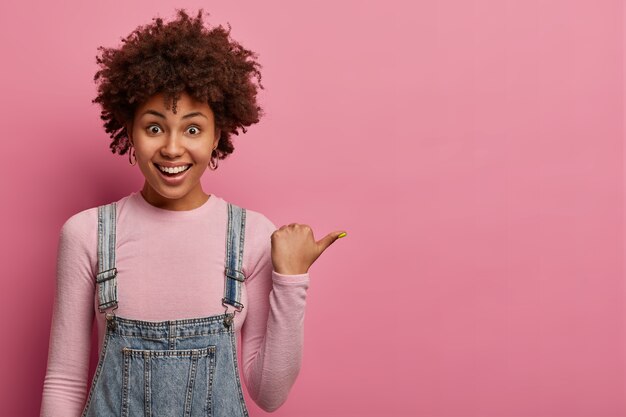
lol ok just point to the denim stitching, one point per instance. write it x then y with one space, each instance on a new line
234 256
210 372
190 384
125 384
147 369
185 353
236 369
97 373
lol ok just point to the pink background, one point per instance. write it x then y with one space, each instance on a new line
473 150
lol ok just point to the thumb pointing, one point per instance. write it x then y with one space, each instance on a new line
327 240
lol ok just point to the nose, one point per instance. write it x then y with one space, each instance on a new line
173 146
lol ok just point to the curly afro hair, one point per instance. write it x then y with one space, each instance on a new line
180 56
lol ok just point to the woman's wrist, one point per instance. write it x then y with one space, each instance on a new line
289 271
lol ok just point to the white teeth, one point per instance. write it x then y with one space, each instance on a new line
175 170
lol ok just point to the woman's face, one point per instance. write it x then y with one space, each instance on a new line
163 139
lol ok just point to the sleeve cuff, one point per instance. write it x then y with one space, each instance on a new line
291 278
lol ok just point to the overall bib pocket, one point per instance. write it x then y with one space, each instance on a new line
167 382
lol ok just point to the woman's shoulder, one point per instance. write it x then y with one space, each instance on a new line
259 227
258 243
256 221
85 222
78 233
80 222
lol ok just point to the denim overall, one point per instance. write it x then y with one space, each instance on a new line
185 367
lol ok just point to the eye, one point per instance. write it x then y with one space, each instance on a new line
151 129
193 130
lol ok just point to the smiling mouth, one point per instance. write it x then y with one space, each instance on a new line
172 172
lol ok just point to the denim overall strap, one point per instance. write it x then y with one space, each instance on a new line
107 272
233 273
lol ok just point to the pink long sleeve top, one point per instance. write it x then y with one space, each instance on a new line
171 266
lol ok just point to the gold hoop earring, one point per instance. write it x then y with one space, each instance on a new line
213 165
132 154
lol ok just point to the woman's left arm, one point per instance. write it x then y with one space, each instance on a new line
273 332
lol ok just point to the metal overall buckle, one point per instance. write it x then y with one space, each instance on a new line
110 319
229 318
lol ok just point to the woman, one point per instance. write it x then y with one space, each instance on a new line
175 276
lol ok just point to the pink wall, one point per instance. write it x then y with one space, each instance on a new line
473 150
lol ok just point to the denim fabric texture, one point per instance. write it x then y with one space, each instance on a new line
184 367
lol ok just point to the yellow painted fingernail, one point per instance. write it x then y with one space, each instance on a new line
341 235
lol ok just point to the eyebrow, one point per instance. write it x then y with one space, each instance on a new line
156 113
